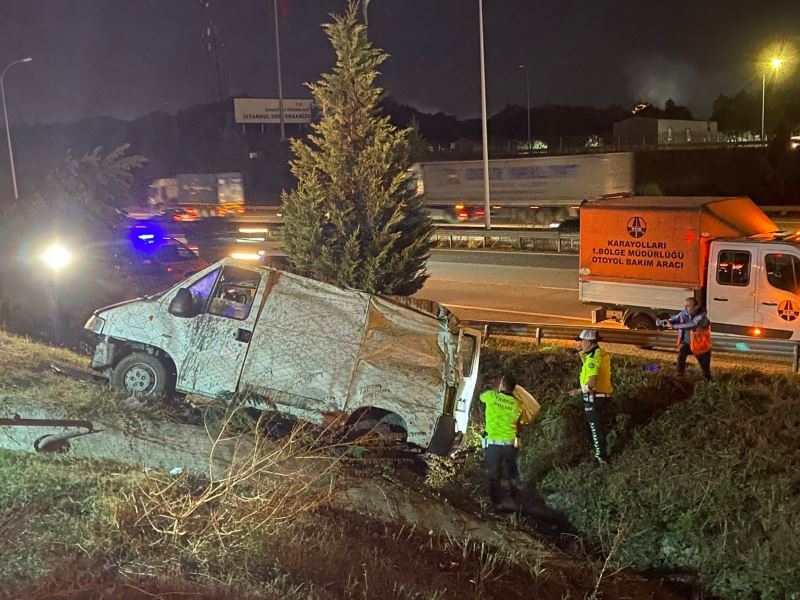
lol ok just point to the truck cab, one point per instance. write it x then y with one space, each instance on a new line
752 287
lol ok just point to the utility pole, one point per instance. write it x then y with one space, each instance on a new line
528 103
365 5
484 126
7 124
280 77
213 45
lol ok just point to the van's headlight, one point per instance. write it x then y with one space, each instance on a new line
95 324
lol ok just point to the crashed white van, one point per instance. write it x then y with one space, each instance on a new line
298 346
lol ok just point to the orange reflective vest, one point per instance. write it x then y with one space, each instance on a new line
699 337
700 340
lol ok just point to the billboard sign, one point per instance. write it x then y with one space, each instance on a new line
267 110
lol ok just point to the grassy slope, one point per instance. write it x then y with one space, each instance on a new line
704 477
75 529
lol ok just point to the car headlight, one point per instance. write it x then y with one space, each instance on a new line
56 257
95 324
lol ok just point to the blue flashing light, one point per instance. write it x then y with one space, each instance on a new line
145 236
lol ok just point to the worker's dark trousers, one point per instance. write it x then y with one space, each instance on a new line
704 360
594 421
501 463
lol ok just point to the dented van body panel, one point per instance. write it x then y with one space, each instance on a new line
302 347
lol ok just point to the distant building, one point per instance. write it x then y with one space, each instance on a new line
646 131
464 146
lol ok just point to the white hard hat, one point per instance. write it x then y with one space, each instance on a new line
589 335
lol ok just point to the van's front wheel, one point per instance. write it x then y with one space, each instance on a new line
142 375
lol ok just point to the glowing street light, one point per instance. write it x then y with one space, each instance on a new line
778 57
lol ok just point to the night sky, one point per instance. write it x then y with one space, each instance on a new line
125 58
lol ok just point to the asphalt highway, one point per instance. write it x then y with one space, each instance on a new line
507 286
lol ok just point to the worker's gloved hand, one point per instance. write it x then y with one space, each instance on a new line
661 323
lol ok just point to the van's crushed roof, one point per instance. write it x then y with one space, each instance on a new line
428 307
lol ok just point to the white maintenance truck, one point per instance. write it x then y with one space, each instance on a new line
640 258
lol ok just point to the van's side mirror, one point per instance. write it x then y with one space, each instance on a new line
182 304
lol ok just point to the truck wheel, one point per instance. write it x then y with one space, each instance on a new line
142 375
642 322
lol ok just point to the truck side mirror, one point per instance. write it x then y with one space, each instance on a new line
182 304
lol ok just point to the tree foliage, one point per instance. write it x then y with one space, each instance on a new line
353 220
79 195
741 113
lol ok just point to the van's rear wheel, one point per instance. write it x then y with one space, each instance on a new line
375 423
142 375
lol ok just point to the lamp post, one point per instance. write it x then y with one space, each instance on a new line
5 120
775 64
280 77
484 125
528 102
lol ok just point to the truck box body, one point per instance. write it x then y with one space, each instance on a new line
653 251
198 190
545 180
302 347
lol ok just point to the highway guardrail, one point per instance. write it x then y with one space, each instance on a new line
649 339
457 237
521 239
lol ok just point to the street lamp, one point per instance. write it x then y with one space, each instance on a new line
484 125
528 101
775 63
5 120
280 77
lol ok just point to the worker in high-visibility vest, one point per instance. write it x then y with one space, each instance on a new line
503 413
694 336
595 380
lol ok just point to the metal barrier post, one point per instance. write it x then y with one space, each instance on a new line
538 336
796 358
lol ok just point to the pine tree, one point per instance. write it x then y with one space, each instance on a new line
353 220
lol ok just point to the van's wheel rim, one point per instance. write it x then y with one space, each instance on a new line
141 379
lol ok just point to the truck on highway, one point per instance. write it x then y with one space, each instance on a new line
199 195
539 191
295 345
640 258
